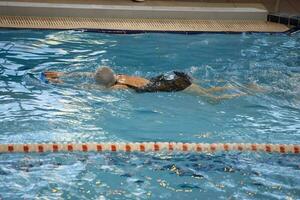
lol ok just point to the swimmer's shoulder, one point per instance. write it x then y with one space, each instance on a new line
131 81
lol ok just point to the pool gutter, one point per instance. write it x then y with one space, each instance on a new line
124 26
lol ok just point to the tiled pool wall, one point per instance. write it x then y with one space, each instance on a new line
283 18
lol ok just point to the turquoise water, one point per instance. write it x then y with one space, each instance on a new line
33 112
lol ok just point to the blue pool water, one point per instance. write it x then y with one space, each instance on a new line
33 112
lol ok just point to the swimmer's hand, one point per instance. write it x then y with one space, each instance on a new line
53 74
53 77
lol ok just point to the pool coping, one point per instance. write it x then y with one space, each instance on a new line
129 32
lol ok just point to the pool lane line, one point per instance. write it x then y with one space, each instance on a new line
150 147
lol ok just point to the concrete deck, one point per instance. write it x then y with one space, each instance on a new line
127 9
285 6
151 15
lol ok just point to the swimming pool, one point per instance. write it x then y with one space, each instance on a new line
34 112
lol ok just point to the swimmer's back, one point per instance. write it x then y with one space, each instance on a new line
162 83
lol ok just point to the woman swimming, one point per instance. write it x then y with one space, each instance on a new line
178 81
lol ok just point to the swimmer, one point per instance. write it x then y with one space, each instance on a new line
105 77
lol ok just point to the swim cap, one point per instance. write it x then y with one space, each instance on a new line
105 76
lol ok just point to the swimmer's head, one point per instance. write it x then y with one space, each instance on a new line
105 76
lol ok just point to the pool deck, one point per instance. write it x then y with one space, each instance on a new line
128 9
151 15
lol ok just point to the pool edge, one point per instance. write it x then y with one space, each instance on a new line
130 26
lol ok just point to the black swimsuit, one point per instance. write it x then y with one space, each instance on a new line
162 83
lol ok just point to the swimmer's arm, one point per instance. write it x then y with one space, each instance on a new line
54 77
99 87
79 74
53 74
119 87
55 80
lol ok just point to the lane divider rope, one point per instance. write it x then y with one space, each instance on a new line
149 147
